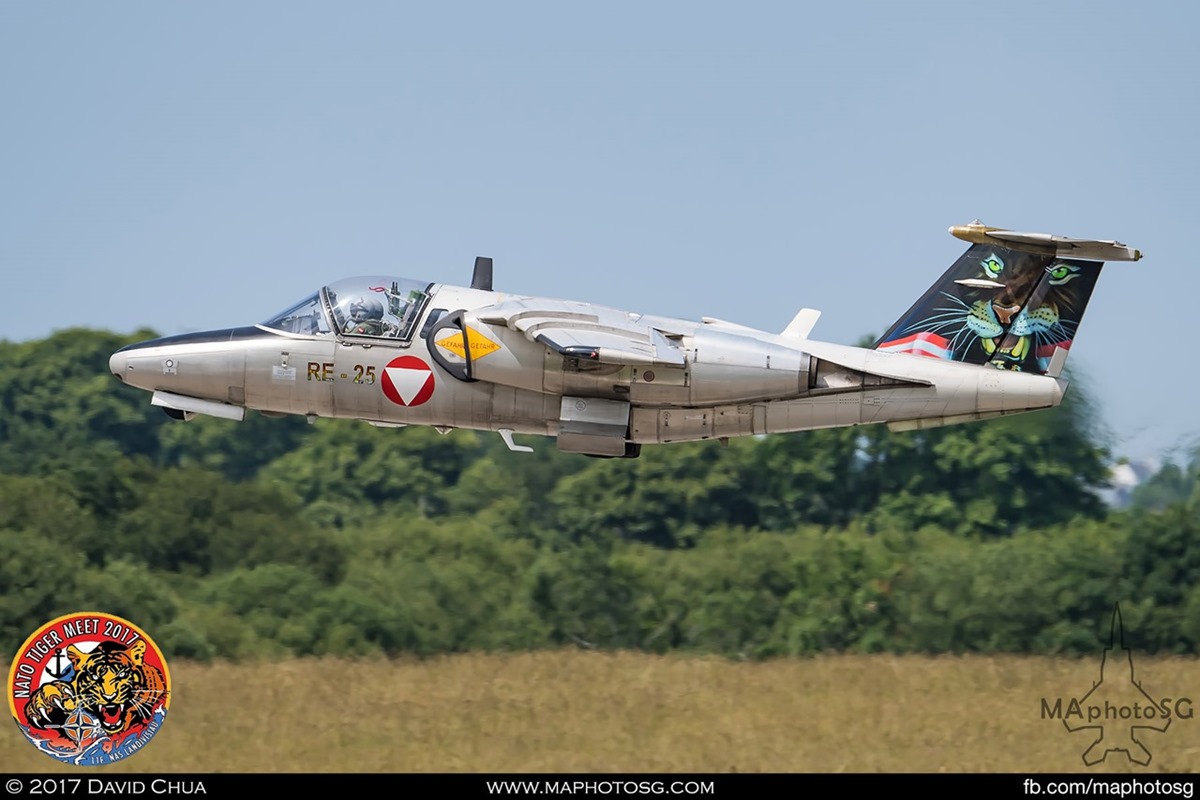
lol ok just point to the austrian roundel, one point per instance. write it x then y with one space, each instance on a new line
407 381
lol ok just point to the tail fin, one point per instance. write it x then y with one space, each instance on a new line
1010 301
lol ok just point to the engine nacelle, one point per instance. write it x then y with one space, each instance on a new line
722 367
725 367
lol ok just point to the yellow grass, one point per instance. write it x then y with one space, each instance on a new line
616 712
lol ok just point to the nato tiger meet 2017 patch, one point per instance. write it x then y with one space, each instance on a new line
89 688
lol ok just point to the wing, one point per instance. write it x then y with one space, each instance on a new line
597 333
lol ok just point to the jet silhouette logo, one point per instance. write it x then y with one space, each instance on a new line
1118 712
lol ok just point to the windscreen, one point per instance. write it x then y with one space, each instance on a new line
306 317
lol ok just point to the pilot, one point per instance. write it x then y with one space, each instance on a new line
366 318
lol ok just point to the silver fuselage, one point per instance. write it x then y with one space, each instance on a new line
735 381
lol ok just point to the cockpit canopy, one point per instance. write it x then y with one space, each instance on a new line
371 306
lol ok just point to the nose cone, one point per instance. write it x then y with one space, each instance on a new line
117 364
208 365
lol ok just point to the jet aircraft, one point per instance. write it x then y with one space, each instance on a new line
989 338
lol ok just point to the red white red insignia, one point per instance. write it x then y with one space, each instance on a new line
407 381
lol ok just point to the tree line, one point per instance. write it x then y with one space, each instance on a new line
273 537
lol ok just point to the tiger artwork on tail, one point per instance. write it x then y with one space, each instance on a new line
998 307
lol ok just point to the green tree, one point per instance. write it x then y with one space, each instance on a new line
1176 481
58 400
666 497
991 477
196 522
37 578
237 450
1163 561
349 473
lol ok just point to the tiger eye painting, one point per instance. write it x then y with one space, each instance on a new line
999 307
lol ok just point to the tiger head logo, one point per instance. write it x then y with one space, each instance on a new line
89 689
1030 307
998 307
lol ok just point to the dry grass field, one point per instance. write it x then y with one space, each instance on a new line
624 712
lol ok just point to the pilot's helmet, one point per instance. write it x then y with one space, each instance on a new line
365 308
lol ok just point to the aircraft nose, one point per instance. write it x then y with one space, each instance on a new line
117 363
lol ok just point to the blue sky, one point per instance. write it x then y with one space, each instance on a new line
191 166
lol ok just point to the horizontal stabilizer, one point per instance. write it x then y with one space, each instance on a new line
1046 244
